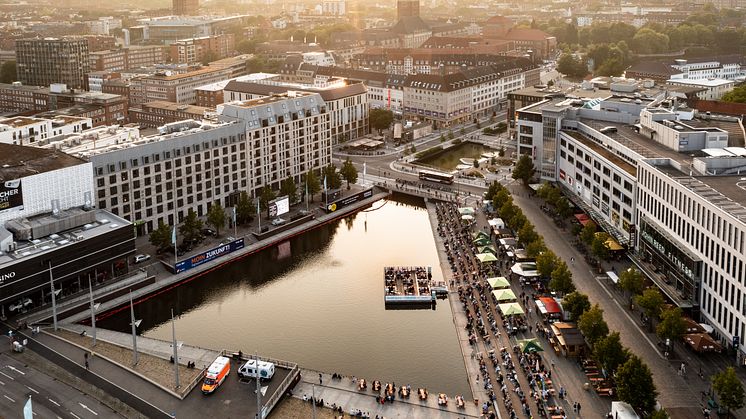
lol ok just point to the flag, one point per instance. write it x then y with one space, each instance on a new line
324 183
234 215
28 412
364 168
258 211
173 235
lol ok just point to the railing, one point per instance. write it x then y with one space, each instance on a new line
284 384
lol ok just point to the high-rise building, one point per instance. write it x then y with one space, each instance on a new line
185 7
407 8
45 61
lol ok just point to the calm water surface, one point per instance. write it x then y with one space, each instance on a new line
451 158
318 300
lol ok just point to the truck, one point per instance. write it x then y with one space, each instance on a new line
249 370
215 374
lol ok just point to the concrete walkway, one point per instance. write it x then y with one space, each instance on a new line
343 392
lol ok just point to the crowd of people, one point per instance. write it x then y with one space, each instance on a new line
519 383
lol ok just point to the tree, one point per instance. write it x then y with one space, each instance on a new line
610 353
191 228
648 41
729 389
535 248
599 248
635 384
265 195
571 66
527 234
216 217
161 237
592 325
288 187
546 262
588 233
246 46
672 324
563 207
524 169
660 414
348 172
312 184
8 72
244 209
575 304
507 210
561 281
333 180
518 220
650 302
632 281
380 119
737 95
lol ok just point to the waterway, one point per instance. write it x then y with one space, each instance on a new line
318 300
449 159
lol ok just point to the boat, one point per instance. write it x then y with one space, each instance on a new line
422 393
377 386
460 402
404 392
442 399
361 384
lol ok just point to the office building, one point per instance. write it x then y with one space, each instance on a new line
185 7
159 113
195 50
44 61
176 88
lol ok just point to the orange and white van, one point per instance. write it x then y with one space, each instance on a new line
215 374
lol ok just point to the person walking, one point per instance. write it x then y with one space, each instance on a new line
85 357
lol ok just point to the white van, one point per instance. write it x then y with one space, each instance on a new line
249 370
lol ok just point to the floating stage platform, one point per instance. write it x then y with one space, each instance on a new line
411 287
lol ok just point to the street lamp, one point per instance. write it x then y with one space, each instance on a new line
134 323
94 307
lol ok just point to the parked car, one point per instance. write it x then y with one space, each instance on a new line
209 232
142 258
278 222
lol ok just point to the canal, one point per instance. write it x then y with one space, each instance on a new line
449 159
318 300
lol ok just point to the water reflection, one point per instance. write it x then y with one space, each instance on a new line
318 300
449 159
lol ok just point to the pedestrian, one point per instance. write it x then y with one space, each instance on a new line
575 406
320 380
578 408
87 367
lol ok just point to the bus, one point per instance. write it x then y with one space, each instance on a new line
436 177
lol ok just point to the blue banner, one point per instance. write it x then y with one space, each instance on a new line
208 255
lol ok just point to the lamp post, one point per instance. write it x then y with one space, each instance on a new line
54 299
94 307
134 323
176 354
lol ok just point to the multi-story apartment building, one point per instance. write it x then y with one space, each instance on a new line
16 97
346 104
23 130
108 60
132 57
195 50
44 61
158 113
176 88
191 165
728 67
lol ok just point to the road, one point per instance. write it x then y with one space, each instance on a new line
50 398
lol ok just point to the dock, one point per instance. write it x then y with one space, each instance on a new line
410 285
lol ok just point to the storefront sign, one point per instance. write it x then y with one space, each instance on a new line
11 195
341 203
209 255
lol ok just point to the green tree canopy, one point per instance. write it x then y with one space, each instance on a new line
288 187
380 119
312 183
571 66
588 233
737 95
561 281
333 178
648 41
672 325
610 353
635 384
729 389
8 72
161 236
527 234
632 281
216 217
244 209
266 195
524 169
191 228
651 302
592 325
575 304
599 248
546 262
348 172
536 247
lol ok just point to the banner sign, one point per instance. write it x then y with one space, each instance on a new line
11 195
343 202
278 206
212 254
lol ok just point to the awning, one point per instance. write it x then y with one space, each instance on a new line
692 326
551 305
530 345
467 217
496 222
504 295
582 219
481 241
613 276
526 269
510 309
486 257
498 282
479 234
489 248
702 342
466 211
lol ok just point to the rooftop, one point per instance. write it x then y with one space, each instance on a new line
19 161
175 107
616 160
701 82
